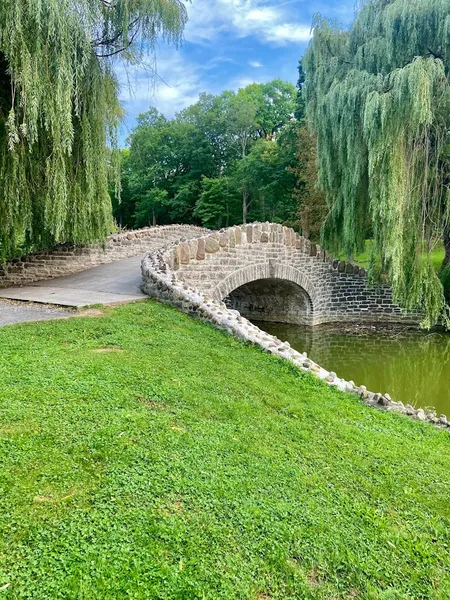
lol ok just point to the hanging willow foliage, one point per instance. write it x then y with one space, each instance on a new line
378 96
59 110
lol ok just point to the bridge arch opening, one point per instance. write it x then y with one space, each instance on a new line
271 291
272 300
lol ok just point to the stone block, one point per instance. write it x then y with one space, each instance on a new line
249 232
193 248
223 239
176 258
184 253
212 244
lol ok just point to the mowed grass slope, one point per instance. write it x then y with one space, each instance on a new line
146 455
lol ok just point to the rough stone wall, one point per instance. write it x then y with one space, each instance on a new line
219 263
67 259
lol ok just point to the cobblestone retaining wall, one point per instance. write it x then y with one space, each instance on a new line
67 259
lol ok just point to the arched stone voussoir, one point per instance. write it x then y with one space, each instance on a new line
268 270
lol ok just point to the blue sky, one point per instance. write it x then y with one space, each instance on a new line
227 45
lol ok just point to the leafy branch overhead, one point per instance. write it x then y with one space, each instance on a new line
59 110
378 98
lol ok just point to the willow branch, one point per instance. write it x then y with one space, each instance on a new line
113 40
130 42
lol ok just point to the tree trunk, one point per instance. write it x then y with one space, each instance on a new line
5 87
263 208
447 246
154 217
244 205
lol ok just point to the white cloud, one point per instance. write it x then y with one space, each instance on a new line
289 33
255 64
271 23
260 15
177 84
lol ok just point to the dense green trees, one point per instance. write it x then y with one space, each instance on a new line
222 161
378 98
59 110
312 207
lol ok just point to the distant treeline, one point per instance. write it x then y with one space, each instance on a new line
238 157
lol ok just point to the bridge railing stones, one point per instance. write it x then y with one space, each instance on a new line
160 281
68 259
339 290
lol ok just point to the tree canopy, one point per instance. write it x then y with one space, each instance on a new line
59 110
378 98
221 161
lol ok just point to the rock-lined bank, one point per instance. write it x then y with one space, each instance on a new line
160 282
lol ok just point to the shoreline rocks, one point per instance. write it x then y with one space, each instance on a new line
159 282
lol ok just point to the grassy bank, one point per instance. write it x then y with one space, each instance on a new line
363 259
146 455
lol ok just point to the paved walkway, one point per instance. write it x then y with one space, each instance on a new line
112 283
19 312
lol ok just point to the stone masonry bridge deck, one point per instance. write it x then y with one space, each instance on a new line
68 259
268 272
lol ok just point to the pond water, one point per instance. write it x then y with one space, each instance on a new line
411 366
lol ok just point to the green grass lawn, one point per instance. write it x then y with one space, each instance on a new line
144 455
363 259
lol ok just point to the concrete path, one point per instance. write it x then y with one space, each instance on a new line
18 312
112 283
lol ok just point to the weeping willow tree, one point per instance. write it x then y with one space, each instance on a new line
378 97
59 110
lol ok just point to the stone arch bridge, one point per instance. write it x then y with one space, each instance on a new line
268 272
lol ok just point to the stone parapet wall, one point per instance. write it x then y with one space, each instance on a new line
220 262
68 259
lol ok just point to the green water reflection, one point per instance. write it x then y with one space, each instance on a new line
413 367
